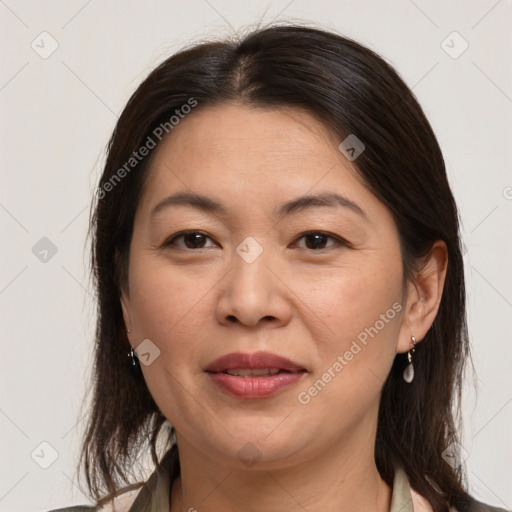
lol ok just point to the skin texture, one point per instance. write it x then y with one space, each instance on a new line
199 302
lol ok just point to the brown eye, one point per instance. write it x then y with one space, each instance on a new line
191 240
317 240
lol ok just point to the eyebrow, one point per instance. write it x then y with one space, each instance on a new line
302 203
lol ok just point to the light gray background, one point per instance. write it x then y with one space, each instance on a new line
57 114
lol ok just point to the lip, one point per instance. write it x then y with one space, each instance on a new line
254 387
253 361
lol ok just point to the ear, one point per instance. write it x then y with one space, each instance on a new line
125 305
423 296
125 300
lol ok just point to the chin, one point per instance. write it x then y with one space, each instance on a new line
263 445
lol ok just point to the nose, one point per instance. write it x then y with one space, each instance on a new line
252 293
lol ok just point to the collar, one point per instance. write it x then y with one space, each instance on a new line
155 492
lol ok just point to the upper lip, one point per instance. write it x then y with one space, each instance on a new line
237 360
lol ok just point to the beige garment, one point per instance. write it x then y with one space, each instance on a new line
153 495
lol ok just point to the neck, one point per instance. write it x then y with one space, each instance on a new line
339 479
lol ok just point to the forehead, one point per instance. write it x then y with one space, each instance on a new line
251 123
238 134
241 148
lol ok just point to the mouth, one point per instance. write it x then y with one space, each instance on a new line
256 372
253 376
254 364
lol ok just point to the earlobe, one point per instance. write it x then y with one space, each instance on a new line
424 293
124 298
126 313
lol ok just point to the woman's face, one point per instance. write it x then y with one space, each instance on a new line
319 285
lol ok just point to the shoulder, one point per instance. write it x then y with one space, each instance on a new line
125 498
120 503
74 508
472 505
465 503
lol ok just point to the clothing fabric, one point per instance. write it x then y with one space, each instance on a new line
154 494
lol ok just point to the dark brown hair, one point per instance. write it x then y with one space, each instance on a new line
352 91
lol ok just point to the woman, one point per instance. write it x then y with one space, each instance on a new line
276 250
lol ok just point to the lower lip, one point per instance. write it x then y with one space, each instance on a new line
255 387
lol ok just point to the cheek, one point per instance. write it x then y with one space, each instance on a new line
355 313
168 308
171 311
351 297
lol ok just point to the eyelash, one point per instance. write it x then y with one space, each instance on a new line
339 241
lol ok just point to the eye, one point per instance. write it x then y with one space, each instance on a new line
316 240
191 239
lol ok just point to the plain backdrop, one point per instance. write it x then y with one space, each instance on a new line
68 68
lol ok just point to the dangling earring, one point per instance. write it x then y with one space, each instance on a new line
134 364
409 369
